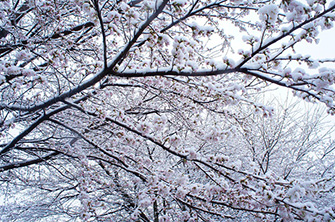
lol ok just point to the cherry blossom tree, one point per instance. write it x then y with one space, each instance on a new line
121 110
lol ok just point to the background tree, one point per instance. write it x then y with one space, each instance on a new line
116 110
290 143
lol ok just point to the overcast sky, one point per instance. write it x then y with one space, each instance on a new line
325 48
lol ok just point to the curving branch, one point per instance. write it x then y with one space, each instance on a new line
288 33
33 126
28 162
9 47
99 76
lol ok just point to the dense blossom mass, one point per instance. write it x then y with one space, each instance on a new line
148 110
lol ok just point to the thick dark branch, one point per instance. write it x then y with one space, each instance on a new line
139 32
192 206
35 124
135 173
72 30
28 163
277 82
98 76
135 132
90 142
104 44
9 47
147 137
133 74
268 44
158 72
232 206
191 13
